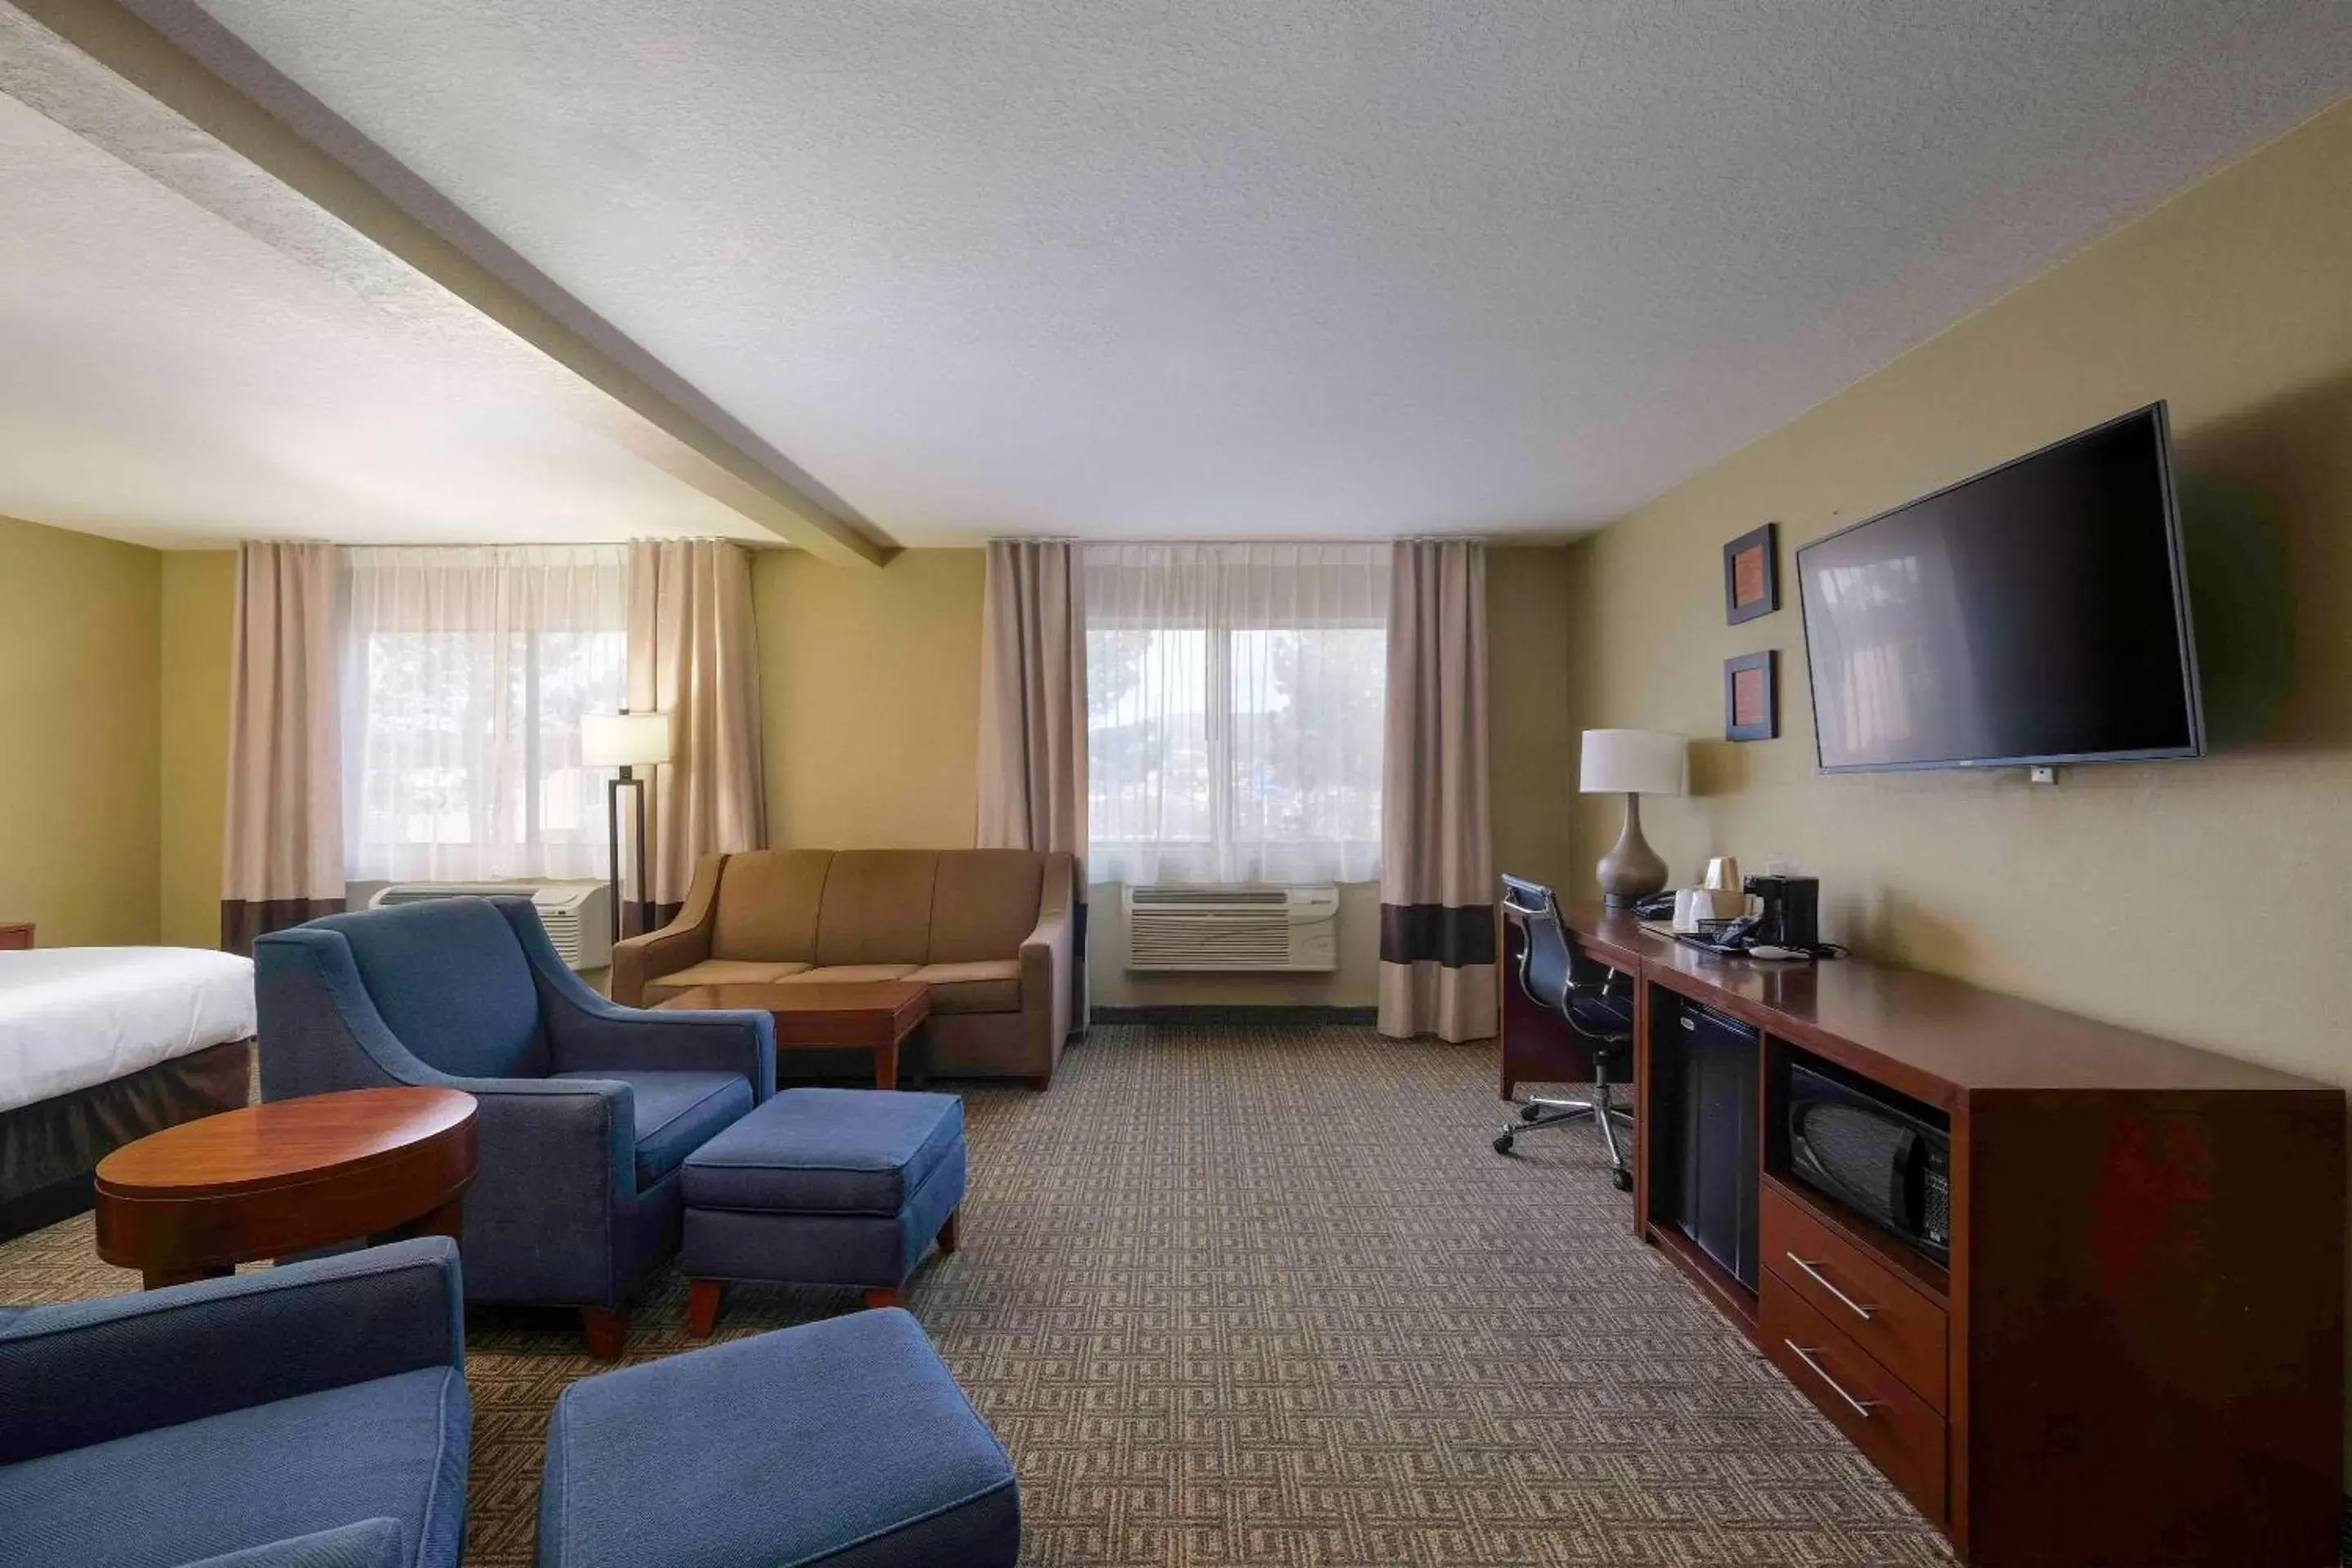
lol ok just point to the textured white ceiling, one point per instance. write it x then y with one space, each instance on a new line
1232 266
168 378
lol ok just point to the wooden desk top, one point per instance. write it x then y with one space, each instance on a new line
1933 1037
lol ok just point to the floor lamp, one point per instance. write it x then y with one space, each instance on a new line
628 742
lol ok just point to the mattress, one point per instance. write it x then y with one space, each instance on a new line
74 1017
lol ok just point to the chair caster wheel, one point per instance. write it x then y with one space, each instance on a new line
1621 1180
1503 1144
1529 1112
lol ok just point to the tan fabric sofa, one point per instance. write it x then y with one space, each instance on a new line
989 930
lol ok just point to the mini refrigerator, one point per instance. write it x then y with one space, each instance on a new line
1722 1078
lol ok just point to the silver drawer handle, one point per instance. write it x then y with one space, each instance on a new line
1817 1277
1862 1407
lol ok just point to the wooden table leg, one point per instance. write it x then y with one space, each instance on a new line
702 1300
880 1297
156 1279
885 1066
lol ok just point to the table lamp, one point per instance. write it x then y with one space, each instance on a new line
1634 762
626 741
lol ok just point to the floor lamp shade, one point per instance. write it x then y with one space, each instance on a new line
1633 762
628 741
623 740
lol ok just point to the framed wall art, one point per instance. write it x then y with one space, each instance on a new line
1752 697
1752 574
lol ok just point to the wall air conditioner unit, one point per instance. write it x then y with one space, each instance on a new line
1250 929
578 915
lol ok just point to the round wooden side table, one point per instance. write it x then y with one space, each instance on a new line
196 1200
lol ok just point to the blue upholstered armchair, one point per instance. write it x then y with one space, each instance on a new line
587 1109
309 1417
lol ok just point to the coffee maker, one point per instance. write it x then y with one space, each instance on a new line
1791 915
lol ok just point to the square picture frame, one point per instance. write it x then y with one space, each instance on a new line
1752 697
1752 574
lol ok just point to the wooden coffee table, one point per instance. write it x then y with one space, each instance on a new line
196 1200
867 1016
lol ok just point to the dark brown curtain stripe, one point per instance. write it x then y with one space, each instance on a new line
1437 933
241 920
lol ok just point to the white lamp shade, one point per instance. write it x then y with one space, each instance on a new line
623 740
1633 762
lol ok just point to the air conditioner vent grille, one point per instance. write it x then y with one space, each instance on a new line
1253 929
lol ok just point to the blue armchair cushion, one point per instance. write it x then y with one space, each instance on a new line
827 1151
841 1442
677 1114
392 1448
371 1544
448 976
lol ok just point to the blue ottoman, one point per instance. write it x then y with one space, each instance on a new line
823 1186
844 1441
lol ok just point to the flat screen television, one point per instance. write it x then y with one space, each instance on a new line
2034 614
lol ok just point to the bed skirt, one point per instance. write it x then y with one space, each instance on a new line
49 1149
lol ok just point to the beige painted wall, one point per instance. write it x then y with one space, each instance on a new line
2155 894
79 667
198 613
869 692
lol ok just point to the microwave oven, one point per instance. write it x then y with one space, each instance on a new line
1891 1166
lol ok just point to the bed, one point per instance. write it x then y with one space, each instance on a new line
102 1045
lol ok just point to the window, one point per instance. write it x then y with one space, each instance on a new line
464 674
1234 700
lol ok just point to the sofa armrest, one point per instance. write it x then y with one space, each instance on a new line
558 1173
320 1030
639 960
585 1032
89 1372
1047 954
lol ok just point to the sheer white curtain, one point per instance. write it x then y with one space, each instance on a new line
465 674
1233 711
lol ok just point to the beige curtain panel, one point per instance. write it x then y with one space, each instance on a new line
1032 716
1437 856
282 845
695 655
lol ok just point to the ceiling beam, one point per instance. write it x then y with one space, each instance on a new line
168 91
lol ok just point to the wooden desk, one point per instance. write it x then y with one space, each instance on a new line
2135 1354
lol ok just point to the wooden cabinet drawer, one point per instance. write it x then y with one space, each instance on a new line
1893 1427
1883 1314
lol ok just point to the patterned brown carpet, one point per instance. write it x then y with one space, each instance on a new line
1264 1297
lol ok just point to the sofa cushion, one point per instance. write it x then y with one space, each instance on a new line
842 1441
450 979
852 973
767 905
720 972
877 907
983 985
676 1112
984 903
371 1544
392 1448
827 1151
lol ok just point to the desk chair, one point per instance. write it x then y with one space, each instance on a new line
1601 1018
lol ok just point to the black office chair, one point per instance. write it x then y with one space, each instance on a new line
1600 1017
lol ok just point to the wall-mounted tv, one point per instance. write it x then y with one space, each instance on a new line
2034 614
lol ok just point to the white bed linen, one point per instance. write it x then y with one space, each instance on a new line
74 1017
